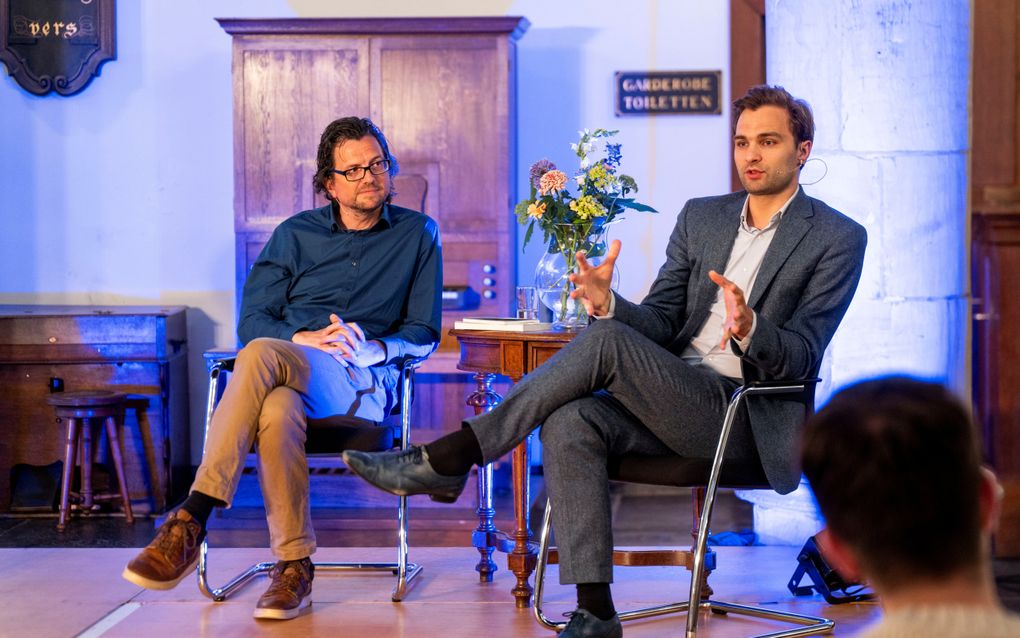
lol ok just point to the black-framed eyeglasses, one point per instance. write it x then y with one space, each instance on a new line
357 173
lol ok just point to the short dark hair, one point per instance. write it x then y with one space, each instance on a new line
347 128
895 468
802 122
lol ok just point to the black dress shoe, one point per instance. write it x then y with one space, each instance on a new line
405 473
584 624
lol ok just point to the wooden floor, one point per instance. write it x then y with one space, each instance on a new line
70 591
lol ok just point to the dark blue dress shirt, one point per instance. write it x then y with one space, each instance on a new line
388 279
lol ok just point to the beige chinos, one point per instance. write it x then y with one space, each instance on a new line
275 387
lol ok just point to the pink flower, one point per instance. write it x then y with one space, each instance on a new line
552 182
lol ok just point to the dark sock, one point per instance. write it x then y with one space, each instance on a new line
596 598
200 506
455 453
307 562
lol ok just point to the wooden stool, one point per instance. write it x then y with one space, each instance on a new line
80 408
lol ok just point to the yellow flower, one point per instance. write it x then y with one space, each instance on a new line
552 182
587 207
599 177
536 210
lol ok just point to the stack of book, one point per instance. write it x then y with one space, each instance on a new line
503 324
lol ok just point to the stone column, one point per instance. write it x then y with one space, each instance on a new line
889 83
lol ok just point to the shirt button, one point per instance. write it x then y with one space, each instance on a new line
354 263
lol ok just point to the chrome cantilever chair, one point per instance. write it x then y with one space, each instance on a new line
677 471
328 437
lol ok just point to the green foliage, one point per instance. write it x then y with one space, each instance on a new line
573 221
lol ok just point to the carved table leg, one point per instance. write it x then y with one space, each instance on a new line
523 559
484 399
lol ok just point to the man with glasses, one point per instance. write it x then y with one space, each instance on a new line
338 296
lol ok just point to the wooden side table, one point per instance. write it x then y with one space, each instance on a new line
512 354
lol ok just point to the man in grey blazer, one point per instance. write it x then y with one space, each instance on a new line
654 378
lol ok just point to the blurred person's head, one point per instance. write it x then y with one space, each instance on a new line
895 468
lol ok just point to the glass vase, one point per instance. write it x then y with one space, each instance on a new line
551 274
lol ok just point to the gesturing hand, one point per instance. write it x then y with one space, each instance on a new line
592 283
739 317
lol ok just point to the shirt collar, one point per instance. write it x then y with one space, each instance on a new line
773 221
332 212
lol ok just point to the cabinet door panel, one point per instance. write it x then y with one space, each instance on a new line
437 102
288 96
443 101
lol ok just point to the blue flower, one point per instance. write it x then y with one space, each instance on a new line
613 154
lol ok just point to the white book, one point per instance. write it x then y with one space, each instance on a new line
498 320
505 324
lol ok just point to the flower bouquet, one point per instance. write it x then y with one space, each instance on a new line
575 222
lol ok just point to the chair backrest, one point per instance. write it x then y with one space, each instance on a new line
411 191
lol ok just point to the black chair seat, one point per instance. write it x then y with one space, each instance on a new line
335 434
686 472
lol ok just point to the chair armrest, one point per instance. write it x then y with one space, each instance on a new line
804 387
411 363
224 360
220 359
780 385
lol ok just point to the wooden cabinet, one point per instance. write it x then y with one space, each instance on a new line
441 90
138 350
995 276
995 232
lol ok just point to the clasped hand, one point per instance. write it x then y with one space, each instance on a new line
345 342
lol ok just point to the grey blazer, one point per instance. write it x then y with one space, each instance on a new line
804 286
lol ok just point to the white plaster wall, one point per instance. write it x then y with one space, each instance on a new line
890 98
123 193
566 64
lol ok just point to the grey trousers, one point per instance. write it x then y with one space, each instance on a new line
611 391
276 385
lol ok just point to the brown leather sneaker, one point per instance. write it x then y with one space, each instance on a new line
170 556
289 592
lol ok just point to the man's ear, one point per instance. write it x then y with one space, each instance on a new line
990 500
329 184
839 555
803 151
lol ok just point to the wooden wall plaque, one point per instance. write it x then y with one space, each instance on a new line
56 45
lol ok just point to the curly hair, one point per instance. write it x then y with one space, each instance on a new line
339 131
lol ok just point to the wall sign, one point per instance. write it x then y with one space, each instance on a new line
668 92
56 45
